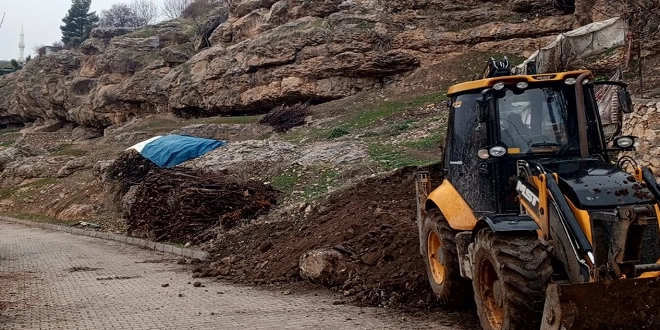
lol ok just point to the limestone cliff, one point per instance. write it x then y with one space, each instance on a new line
266 53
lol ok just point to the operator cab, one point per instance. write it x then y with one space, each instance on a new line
496 122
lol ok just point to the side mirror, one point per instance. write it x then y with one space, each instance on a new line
625 101
483 106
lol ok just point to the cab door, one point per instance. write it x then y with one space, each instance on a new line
469 174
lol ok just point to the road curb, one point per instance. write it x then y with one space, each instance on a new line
167 248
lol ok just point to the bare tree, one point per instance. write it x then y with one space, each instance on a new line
173 9
146 11
39 49
198 11
119 15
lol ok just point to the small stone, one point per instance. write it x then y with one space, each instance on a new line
197 284
165 285
266 246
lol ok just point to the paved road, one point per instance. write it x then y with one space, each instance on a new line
54 280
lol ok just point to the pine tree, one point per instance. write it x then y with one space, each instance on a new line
15 65
78 22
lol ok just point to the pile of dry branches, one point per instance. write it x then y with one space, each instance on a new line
129 169
284 118
182 205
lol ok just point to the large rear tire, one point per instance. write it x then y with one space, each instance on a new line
510 274
442 263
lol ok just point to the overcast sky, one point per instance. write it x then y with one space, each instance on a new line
42 20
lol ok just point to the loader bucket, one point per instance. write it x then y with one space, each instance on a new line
621 304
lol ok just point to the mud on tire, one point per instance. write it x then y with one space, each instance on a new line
510 274
454 290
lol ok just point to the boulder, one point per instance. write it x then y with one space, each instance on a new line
324 266
71 167
11 154
100 169
172 36
85 133
176 54
49 126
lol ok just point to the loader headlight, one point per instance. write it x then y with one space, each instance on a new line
570 81
522 85
483 154
497 151
624 141
499 86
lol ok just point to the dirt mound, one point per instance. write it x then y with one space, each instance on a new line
182 205
286 117
372 224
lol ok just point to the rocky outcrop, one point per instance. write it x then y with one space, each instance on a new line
644 123
265 54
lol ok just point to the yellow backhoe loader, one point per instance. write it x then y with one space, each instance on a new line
535 220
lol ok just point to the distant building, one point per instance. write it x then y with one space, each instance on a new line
47 50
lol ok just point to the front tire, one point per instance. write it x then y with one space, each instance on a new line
442 262
510 274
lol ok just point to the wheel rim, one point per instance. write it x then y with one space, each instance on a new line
491 291
434 247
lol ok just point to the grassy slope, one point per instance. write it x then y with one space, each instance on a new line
400 125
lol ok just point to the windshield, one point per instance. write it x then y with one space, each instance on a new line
538 120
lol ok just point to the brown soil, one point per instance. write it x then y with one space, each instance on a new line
372 224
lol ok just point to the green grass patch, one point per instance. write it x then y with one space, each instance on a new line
391 157
10 130
146 32
8 192
158 125
6 144
322 180
163 125
427 143
385 109
240 120
305 182
41 182
17 191
285 181
338 132
69 150
401 127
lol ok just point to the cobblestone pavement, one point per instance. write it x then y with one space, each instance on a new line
55 280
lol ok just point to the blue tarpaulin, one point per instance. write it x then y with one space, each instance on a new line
171 150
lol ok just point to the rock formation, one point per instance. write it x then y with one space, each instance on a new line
265 54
